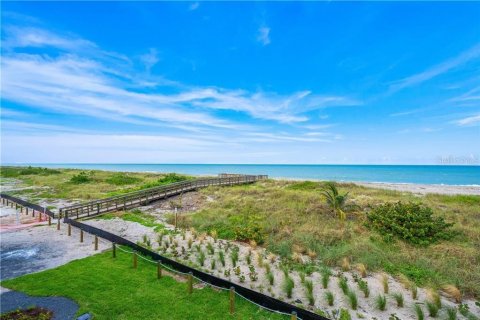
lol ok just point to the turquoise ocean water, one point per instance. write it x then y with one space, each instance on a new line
421 174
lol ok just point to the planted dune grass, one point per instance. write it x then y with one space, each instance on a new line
83 184
291 218
110 288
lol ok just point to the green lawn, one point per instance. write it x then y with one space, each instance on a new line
111 289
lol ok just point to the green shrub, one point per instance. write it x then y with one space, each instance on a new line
410 222
309 291
344 315
80 178
121 179
304 185
352 297
13 172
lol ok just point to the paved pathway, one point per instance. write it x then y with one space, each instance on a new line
63 308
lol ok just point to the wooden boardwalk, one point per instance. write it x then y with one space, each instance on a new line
144 197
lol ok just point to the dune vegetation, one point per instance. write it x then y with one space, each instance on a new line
358 225
295 218
83 184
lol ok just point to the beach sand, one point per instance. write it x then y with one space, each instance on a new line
424 188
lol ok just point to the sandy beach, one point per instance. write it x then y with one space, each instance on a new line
424 188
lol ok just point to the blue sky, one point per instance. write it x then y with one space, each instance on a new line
246 82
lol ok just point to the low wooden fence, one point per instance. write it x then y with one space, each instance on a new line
146 196
22 204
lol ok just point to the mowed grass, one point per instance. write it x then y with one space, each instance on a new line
58 183
292 217
110 288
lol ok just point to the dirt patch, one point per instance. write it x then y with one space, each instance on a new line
34 313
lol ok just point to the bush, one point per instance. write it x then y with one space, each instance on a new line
13 172
82 177
410 222
121 179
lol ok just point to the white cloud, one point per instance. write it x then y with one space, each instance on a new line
263 35
150 59
464 57
468 121
194 6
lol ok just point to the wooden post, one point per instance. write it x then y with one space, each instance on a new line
294 315
159 270
96 243
49 220
33 213
114 250
26 211
69 229
40 216
176 218
232 300
81 235
21 209
190 283
134 260
58 223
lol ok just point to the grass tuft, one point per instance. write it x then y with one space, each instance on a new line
384 280
326 273
398 296
343 284
453 292
362 269
309 291
432 309
352 298
381 302
330 298
288 286
419 312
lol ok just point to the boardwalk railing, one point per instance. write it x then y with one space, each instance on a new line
143 197
20 203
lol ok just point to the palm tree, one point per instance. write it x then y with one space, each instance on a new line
335 200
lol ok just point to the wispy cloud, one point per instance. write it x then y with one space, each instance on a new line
94 86
150 59
469 121
263 35
194 6
461 59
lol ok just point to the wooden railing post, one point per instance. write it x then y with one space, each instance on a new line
232 300
81 235
135 262
114 250
159 270
294 315
69 229
96 243
190 283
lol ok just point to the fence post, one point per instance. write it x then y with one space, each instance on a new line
232 300
159 270
81 235
176 217
96 243
134 260
190 282
33 213
40 216
49 220
69 229
114 250
58 223
294 315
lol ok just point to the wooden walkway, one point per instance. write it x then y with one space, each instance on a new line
144 197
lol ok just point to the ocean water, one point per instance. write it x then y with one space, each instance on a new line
419 174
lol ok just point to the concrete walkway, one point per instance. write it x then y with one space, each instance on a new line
63 308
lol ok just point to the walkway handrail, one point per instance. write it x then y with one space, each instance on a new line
27 204
145 196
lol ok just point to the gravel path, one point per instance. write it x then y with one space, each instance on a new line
63 308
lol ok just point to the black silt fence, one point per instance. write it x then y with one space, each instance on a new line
257 297
27 204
